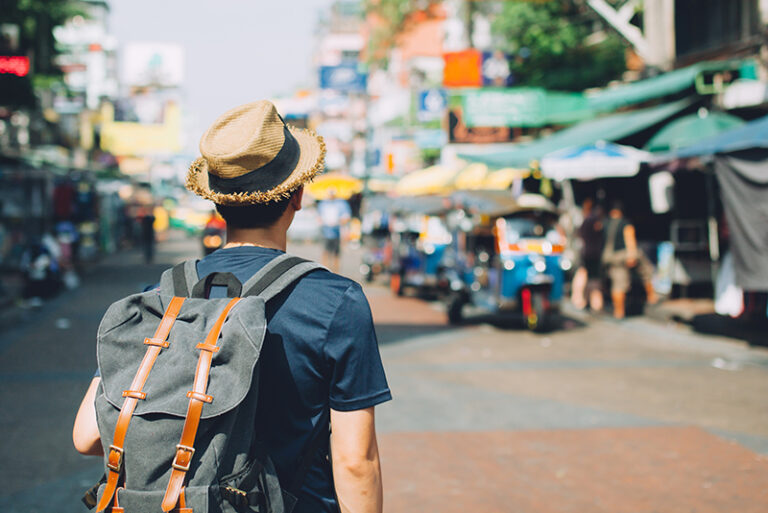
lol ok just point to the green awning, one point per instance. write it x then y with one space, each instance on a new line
691 129
608 128
667 84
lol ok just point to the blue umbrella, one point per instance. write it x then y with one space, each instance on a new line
591 161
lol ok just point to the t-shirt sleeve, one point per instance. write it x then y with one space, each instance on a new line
352 351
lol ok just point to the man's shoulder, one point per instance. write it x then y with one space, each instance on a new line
325 282
321 283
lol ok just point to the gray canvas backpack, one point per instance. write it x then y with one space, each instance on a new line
177 402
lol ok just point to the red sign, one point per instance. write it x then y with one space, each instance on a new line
14 64
463 69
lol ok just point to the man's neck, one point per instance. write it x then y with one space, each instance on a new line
271 237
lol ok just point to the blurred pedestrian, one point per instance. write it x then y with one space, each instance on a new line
334 214
620 256
587 280
147 221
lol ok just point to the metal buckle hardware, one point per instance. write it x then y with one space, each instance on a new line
115 467
235 491
179 449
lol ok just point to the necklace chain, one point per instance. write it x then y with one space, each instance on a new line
238 244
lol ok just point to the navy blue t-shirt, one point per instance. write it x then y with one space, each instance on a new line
320 351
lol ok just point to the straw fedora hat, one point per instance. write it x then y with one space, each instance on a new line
249 155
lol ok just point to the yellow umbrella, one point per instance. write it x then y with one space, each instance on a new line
342 185
471 177
431 180
503 178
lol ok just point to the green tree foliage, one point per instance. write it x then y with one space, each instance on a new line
35 20
551 45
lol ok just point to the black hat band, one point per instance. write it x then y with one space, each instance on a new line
266 177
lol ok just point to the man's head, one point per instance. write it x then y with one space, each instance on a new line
253 165
617 209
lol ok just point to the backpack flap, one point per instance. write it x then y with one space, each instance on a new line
121 348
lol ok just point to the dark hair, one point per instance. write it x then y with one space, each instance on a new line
262 215
617 205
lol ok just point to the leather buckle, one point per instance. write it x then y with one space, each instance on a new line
115 467
181 449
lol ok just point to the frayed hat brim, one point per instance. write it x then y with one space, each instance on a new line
311 162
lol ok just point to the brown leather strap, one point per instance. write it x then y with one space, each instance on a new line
116 508
185 450
182 504
132 397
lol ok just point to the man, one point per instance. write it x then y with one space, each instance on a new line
147 221
620 255
334 213
320 353
586 280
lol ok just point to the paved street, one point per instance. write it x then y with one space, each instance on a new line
597 417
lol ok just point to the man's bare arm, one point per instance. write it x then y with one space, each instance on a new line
355 457
85 433
630 241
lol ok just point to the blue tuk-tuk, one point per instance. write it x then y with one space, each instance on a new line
420 239
375 237
509 258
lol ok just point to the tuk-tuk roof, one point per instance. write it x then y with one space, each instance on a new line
422 205
499 203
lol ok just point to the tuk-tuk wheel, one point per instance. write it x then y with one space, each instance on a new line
456 309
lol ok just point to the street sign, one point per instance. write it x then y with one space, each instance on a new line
432 104
344 77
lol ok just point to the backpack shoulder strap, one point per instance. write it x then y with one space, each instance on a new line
278 274
179 279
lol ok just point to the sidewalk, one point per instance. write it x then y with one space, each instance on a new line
15 310
700 315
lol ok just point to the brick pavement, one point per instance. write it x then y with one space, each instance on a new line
602 418
626 470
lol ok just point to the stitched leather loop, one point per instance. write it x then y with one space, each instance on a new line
200 397
155 342
135 394
207 347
